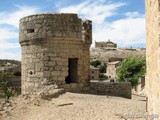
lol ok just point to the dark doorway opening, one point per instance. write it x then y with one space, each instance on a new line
72 70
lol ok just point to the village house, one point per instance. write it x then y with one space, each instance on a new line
111 69
94 73
108 44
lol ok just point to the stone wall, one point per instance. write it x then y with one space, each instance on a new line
122 89
49 42
153 55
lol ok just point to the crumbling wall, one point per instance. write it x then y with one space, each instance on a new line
106 44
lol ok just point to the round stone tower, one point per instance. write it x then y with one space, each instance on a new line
55 52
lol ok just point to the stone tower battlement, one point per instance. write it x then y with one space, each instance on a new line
56 25
55 51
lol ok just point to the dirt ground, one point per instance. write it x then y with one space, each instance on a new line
73 106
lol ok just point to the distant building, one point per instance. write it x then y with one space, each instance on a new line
94 73
106 44
112 69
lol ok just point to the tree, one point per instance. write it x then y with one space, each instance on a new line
131 70
102 68
100 65
102 76
95 63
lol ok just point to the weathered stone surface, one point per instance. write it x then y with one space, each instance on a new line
52 93
48 43
153 55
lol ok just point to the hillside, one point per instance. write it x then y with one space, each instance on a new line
108 54
5 62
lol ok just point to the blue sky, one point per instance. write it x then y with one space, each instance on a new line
121 21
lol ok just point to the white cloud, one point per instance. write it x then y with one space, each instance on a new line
7 55
8 45
133 14
125 31
12 18
97 11
9 33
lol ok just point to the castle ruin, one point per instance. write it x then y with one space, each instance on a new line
108 44
153 56
55 51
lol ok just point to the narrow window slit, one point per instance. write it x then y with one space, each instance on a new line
30 30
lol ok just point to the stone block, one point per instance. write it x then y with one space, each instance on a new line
57 68
64 68
37 25
61 78
50 63
55 73
30 25
39 74
64 73
59 63
52 54
40 21
46 73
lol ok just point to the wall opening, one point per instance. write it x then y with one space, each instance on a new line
30 30
72 71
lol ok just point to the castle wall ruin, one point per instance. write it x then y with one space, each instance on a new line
55 52
153 56
108 44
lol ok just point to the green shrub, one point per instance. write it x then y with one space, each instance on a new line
131 70
102 76
100 65
5 86
95 63
102 68
6 90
